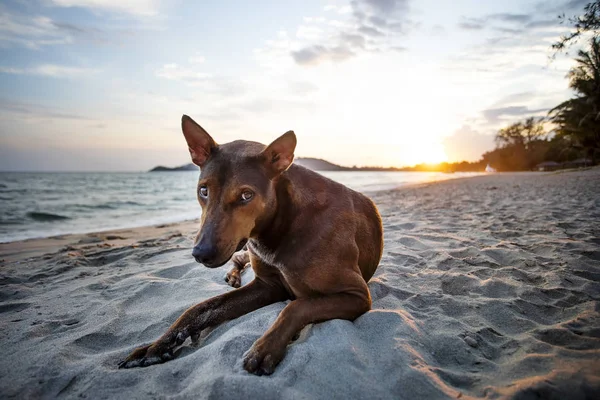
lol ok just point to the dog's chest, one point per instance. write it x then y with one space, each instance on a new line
285 259
268 255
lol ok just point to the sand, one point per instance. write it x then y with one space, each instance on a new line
488 287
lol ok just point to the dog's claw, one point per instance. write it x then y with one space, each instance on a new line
233 278
260 362
126 364
144 357
251 364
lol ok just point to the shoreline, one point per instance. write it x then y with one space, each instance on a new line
38 246
22 250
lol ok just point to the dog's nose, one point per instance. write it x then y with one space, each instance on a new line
204 253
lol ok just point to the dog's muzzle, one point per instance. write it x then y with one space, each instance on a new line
204 254
207 254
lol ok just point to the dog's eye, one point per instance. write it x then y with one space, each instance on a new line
203 191
247 195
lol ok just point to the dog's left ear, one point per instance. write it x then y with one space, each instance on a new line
199 142
279 155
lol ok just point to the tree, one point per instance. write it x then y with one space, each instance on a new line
579 118
588 22
519 146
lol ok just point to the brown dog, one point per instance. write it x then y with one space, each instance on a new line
310 240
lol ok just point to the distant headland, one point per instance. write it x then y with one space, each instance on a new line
186 167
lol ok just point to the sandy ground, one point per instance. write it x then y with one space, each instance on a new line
488 287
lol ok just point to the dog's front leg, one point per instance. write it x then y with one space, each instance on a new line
269 350
241 261
209 313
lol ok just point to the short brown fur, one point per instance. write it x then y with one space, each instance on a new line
310 240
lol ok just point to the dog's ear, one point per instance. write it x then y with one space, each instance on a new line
280 154
199 141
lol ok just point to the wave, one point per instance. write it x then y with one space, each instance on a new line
111 205
104 206
45 217
11 222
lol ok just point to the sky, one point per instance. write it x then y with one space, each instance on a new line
100 85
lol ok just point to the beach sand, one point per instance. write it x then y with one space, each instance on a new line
488 287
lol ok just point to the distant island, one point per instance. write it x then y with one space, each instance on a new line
186 167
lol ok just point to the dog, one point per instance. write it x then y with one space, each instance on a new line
310 240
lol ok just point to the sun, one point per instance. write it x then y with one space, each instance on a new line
430 154
416 151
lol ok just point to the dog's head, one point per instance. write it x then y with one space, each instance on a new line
235 189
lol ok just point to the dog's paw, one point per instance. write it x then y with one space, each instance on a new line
262 359
234 278
145 356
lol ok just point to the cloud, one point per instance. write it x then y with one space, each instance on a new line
471 24
38 111
317 54
31 31
386 6
511 22
179 73
370 31
514 48
373 26
190 75
383 14
353 40
133 7
495 114
38 31
562 7
51 70
515 98
507 17
542 15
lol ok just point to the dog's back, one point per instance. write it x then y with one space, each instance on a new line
317 193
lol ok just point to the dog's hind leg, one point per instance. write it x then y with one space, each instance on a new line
209 313
270 349
241 261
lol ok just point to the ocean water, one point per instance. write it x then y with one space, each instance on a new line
34 205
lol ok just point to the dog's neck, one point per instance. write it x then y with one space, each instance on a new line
276 226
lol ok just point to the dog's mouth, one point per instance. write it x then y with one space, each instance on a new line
239 247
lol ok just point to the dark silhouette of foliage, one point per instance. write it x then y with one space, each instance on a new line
578 119
588 22
520 146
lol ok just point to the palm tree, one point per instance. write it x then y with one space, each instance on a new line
578 119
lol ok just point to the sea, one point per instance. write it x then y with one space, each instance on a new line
37 205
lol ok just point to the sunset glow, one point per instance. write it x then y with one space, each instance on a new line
432 84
